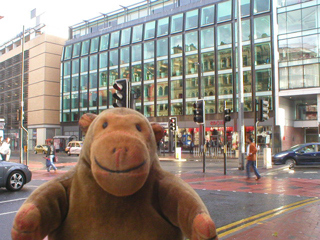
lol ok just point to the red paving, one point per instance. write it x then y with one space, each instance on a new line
301 223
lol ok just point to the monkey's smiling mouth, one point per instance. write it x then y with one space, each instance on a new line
119 171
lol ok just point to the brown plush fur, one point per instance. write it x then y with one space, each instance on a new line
117 191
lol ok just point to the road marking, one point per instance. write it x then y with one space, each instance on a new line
13 200
243 223
8 213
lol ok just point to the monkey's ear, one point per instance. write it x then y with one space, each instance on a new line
86 120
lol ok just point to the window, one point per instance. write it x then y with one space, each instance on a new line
67 52
309 16
149 50
311 75
207 37
192 19
262 27
103 63
76 50
114 42
224 59
263 80
150 28
163 26
94 45
191 64
136 53
177 23
85 47
75 83
207 15
104 43
224 34
261 6
137 33
125 36
114 59
149 71
191 41
124 55
207 60
176 44
75 66
162 47
93 80
84 64
93 62
176 66
224 11
263 53
162 69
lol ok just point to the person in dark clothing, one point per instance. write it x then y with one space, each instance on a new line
51 155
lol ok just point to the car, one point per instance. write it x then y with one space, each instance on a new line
41 149
301 154
74 147
14 176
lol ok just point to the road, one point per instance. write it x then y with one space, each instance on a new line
235 204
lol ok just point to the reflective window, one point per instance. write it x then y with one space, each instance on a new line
224 59
245 8
114 58
104 42
103 63
66 102
125 36
83 100
93 98
113 75
225 88
261 6
191 89
246 56
207 15
207 38
177 23
136 73
103 78
93 80
296 77
163 26
84 64
224 34
207 60
76 50
246 33
263 80
294 51
162 98
93 62
67 52
191 64
192 19
162 69
283 78
224 11
103 99
149 50
307 111
148 99
125 72
311 75
75 66
149 71
177 97
262 27
149 31
136 53
310 46
74 101
137 33
282 23
124 55
262 53
84 82
114 42
162 47
309 16
66 84
191 41
94 45
176 66
85 47
75 83
176 44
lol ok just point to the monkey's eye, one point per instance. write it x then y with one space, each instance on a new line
105 124
138 127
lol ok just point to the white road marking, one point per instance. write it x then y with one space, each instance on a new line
13 200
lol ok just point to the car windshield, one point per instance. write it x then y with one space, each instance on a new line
295 147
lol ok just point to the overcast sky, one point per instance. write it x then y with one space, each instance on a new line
58 15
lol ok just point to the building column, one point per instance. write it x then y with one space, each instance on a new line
318 115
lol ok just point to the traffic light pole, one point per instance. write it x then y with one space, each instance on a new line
224 148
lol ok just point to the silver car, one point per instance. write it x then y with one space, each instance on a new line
14 175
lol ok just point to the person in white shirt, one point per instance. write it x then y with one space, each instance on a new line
5 149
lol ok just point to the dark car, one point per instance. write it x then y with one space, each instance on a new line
13 176
301 154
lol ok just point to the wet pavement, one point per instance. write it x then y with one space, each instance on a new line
295 213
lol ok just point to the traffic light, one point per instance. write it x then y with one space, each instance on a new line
122 94
173 124
199 111
263 113
227 116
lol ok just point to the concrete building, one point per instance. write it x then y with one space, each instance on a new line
41 86
169 50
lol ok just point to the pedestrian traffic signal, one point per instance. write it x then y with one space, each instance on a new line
199 111
263 111
227 113
173 124
122 95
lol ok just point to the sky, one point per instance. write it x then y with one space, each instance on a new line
57 15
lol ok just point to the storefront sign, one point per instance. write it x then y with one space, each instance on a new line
216 123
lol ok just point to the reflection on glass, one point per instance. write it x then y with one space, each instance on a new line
93 98
75 66
137 33
113 75
149 31
191 41
261 6
125 72
207 60
136 53
136 73
94 45
176 66
192 19
75 83
67 52
149 50
104 42
85 47
162 69
76 49
224 11
262 53
192 87
224 34
207 15
163 26
103 98
207 38
114 42
176 44
149 71
224 59
93 80
262 27
125 36
93 62
103 79
263 80
162 47
114 58
191 64
177 23
84 81
103 63
124 55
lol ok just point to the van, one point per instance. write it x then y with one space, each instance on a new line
74 147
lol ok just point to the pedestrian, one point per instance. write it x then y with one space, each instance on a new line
51 155
191 146
5 150
251 159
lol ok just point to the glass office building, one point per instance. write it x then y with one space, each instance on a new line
174 52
